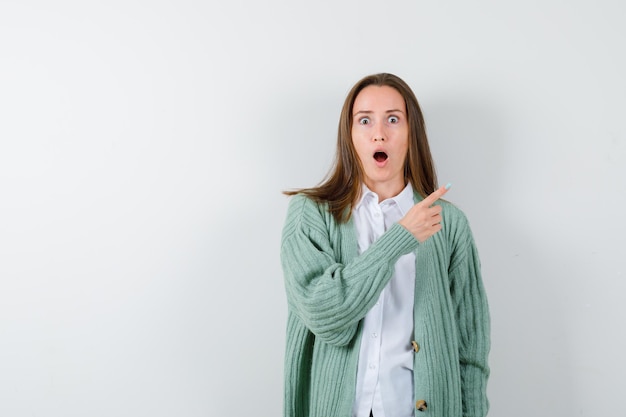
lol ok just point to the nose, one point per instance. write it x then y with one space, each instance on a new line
378 133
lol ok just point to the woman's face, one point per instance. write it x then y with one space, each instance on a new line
380 134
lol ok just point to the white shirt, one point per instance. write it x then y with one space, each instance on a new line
385 371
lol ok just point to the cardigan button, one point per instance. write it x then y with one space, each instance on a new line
416 347
421 405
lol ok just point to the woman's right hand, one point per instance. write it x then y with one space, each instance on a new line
423 219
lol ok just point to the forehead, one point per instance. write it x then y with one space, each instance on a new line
378 98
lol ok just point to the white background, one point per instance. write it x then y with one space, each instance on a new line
144 146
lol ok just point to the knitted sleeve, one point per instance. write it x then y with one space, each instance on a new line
472 317
330 297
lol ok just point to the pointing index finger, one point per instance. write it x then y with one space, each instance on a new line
436 195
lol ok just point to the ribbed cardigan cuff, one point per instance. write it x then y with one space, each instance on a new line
397 241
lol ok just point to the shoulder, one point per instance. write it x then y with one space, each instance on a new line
453 214
302 207
303 213
457 231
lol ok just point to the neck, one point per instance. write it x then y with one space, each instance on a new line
386 190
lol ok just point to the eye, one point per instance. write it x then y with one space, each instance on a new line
393 119
364 120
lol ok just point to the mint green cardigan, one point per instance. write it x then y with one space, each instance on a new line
330 289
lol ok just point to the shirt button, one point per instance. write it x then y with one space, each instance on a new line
421 405
374 335
416 347
376 214
372 366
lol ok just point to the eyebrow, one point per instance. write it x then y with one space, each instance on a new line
370 111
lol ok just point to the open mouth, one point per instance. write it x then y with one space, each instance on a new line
380 156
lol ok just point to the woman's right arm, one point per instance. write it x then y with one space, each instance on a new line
330 297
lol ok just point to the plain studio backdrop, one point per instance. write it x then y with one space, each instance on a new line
144 146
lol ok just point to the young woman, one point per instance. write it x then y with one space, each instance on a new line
387 312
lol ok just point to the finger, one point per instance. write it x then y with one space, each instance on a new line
436 195
434 210
436 219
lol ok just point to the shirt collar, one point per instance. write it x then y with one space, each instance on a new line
404 199
366 193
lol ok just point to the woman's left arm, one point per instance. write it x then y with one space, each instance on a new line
472 317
